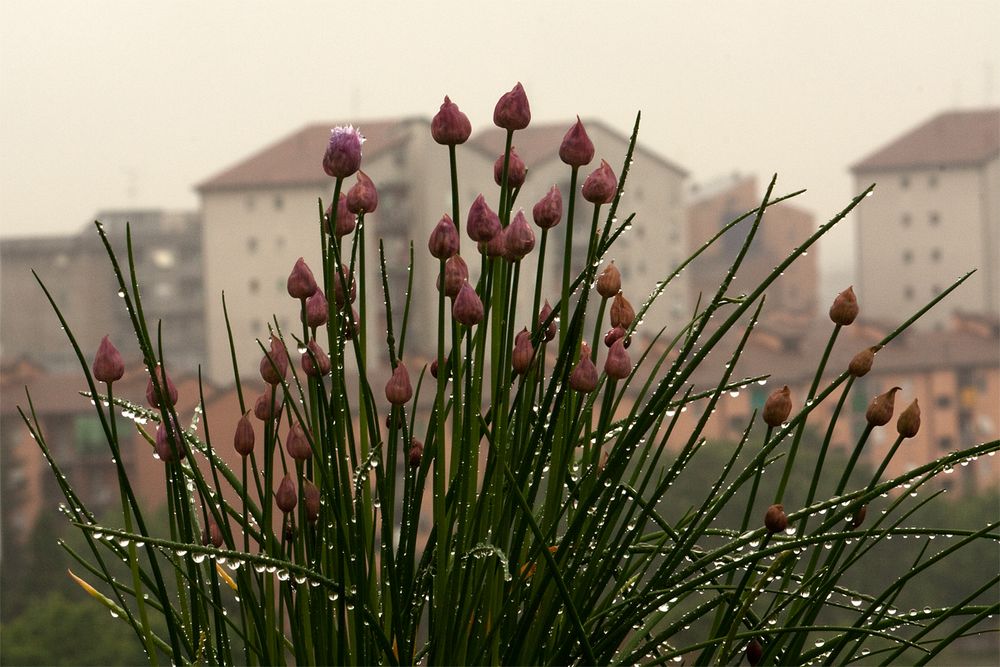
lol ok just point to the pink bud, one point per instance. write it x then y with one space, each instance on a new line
416 453
301 283
482 224
345 222
618 364
548 211
615 333
343 153
265 408
584 376
211 533
550 329
497 246
317 309
166 386
600 186
609 283
310 495
519 240
449 125
274 365
398 389
516 171
456 272
363 197
338 286
512 111
297 444
286 496
321 365
108 365
243 440
467 308
444 240
167 448
523 352
576 149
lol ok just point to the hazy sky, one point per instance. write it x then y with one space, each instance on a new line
112 104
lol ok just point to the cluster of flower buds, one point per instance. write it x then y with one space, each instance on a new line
518 239
317 310
618 364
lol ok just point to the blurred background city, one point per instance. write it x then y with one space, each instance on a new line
203 129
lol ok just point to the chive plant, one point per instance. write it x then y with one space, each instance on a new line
540 469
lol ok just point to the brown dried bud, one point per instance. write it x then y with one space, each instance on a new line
755 653
444 241
467 308
600 186
622 313
523 352
108 364
317 309
274 365
363 197
211 533
516 170
297 443
880 410
859 516
547 212
844 308
512 111
576 148
166 386
286 496
609 283
518 239
456 273
310 496
909 420
243 440
338 286
584 376
265 408
315 362
862 361
450 126
550 329
398 389
416 453
618 364
777 407
301 283
776 520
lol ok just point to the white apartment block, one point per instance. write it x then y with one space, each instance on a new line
934 215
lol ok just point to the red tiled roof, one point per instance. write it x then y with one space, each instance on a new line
950 138
297 158
540 142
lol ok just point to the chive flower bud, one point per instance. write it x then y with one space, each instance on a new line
909 420
346 221
516 171
576 148
862 361
859 516
467 308
398 389
609 283
297 444
550 328
523 352
482 223
584 376
274 365
775 520
310 496
211 533
456 273
450 126
315 362
618 364
166 386
166 450
547 212
777 407
265 408
754 652
614 334
512 111
444 240
317 309
496 246
243 440
880 410
362 197
343 152
519 240
600 185
622 313
286 497
845 307
416 453
338 287
108 365
301 283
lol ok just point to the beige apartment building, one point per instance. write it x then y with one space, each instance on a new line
260 215
935 214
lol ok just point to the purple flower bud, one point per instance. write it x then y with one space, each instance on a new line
310 495
301 283
343 153
880 410
609 283
615 333
274 365
444 240
618 364
265 408
584 376
516 171
519 240
775 520
909 420
321 365
512 111
317 309
622 313
167 448
363 197
345 222
108 365
576 149
548 211
434 369
844 308
497 246
550 329
777 407
211 533
600 186
482 224
297 444
858 517
286 496
243 440
166 386
467 308
523 352
450 126
398 389
416 453
456 273
338 286
755 652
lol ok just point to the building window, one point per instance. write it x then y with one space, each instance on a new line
908 292
252 245
907 256
935 254
934 217
279 202
253 286
906 219
904 182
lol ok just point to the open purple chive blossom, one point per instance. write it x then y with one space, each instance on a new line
343 153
